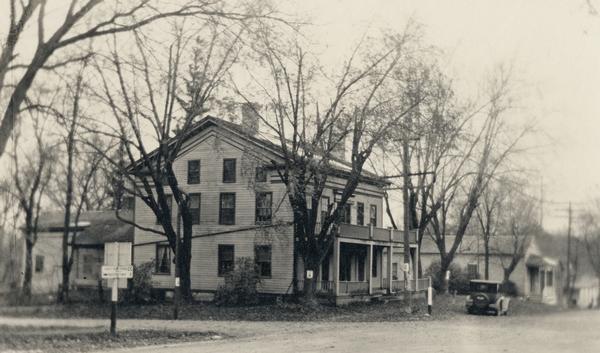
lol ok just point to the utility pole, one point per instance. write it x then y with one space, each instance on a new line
177 269
568 289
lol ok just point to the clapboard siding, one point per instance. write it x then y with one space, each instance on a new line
211 146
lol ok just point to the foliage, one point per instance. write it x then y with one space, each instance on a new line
140 291
510 288
240 286
459 278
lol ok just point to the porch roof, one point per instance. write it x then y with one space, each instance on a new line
373 234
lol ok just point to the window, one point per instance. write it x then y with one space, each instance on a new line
472 271
193 172
261 175
89 263
360 214
550 278
325 269
227 209
39 263
226 259
169 204
395 271
262 256
345 214
163 259
373 216
229 170
127 203
374 273
264 202
324 208
195 208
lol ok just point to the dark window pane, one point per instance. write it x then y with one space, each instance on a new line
262 256
261 174
227 209
226 259
229 172
360 214
264 203
39 263
324 208
344 215
195 208
373 215
193 172
163 259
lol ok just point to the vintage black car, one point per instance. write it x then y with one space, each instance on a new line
485 297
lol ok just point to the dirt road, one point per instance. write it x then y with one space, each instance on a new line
563 332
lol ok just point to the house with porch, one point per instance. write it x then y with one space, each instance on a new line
539 276
241 210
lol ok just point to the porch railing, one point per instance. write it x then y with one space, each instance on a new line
354 287
398 285
325 286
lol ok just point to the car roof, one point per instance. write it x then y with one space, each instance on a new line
485 281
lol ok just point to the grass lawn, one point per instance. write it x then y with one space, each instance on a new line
445 307
70 339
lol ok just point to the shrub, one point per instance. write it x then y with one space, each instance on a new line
510 288
240 286
459 278
140 290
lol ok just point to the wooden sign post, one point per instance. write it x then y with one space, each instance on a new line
117 269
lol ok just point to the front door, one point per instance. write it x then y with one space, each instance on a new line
534 280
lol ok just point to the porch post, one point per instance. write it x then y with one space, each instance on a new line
370 268
390 261
336 266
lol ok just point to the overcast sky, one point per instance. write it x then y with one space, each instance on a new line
554 47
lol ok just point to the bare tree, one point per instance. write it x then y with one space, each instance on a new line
83 20
186 95
468 169
79 166
489 214
310 115
28 184
590 227
522 224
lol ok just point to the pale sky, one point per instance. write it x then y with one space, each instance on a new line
554 47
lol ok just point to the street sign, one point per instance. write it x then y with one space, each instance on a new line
309 274
117 271
117 268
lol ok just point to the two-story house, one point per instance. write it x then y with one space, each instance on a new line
241 209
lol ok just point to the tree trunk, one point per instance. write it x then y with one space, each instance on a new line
444 266
308 294
185 259
26 289
486 249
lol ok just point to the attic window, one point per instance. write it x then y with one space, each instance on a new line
229 170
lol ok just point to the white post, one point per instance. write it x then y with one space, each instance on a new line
429 297
370 268
336 266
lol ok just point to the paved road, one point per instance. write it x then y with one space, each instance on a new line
564 332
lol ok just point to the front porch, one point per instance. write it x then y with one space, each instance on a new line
367 262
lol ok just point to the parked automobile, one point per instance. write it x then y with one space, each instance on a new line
486 296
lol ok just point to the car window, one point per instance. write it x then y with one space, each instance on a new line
484 287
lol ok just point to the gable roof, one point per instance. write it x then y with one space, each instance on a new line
339 167
93 228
